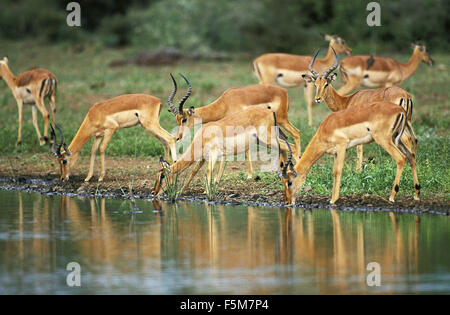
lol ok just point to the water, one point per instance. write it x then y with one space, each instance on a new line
194 248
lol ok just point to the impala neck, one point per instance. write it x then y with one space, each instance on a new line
212 112
312 153
334 100
8 76
410 67
83 135
329 58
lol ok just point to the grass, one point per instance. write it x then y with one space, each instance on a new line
85 78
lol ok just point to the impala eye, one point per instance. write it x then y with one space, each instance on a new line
184 120
289 184
326 84
64 162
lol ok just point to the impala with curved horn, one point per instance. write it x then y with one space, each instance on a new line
347 128
286 69
103 119
233 101
336 102
372 72
213 141
32 88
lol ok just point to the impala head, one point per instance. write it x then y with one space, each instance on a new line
338 44
321 81
184 116
420 49
288 175
61 152
165 168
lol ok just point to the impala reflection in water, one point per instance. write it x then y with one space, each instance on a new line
193 248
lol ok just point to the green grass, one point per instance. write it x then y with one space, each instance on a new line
81 77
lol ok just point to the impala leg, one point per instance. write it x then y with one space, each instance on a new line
167 140
53 107
20 110
44 112
359 163
400 159
249 163
35 122
94 149
209 172
108 135
309 94
338 166
197 167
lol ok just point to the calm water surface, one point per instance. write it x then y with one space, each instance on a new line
194 248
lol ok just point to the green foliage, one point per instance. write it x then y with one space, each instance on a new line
246 26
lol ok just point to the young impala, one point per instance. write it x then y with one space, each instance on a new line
103 119
336 102
233 101
372 72
31 88
286 69
382 122
214 140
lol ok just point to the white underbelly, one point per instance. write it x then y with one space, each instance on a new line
363 140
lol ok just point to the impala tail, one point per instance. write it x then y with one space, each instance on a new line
397 132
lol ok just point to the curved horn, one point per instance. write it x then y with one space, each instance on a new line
336 64
314 73
188 93
289 160
53 136
172 95
61 136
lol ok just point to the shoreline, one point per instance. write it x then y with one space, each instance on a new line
361 203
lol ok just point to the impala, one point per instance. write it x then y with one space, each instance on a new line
382 122
103 119
31 88
286 69
214 140
371 72
336 102
233 101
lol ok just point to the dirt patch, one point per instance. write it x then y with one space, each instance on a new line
39 174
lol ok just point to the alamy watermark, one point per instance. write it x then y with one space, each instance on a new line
74 17
374 277
374 17
73 279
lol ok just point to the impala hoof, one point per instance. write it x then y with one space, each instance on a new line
18 142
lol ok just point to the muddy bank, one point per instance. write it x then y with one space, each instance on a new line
49 185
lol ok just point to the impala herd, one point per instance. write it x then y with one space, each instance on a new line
254 114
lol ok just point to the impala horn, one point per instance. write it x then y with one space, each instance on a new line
53 136
188 93
334 67
173 109
314 73
61 141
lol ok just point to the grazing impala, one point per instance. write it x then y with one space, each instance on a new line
233 101
286 69
31 88
336 102
382 122
371 72
214 140
103 119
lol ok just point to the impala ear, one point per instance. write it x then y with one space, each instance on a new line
328 37
308 78
5 59
191 111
